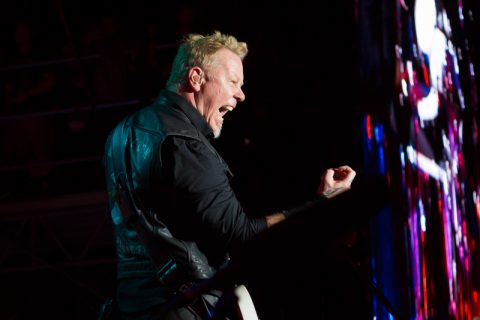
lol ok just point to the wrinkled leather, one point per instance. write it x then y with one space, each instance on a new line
132 151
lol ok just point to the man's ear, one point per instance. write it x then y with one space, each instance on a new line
195 76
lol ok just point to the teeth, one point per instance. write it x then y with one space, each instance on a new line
226 108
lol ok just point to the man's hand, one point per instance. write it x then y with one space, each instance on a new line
336 181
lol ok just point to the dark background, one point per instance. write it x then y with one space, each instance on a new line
299 118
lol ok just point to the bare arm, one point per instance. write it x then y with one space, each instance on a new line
334 182
274 218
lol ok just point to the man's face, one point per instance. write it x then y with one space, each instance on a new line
221 89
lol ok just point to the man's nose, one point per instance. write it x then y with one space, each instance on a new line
240 96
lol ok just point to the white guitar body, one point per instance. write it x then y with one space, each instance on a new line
245 303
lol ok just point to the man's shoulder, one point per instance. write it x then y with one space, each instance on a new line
163 119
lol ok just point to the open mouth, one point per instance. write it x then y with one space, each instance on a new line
225 109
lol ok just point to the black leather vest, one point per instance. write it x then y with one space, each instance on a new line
145 245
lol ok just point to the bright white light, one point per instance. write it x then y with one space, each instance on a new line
426 164
428 106
423 219
425 22
410 72
438 61
404 87
433 43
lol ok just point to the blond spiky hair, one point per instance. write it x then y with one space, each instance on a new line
197 51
